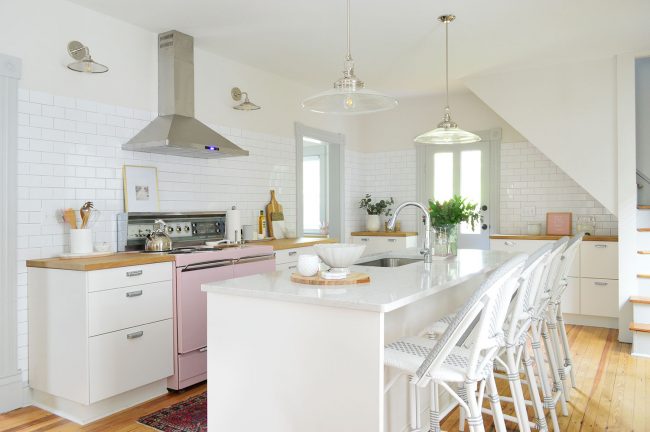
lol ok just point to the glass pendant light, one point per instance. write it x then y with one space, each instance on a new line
349 95
447 131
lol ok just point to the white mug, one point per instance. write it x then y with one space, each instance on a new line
308 265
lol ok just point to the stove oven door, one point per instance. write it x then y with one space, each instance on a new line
191 302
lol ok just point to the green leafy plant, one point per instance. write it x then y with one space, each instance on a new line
378 208
453 212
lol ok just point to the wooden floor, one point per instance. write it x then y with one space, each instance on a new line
613 394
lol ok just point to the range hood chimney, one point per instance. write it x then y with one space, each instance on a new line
175 131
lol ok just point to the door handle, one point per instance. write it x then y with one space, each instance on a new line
484 226
484 207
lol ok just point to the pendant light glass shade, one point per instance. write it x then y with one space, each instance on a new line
85 62
447 131
349 95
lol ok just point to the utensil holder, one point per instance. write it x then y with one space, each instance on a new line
81 241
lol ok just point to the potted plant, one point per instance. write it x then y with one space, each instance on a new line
374 211
445 218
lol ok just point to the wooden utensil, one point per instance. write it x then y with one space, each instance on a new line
70 218
85 213
275 218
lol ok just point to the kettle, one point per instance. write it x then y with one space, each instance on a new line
158 240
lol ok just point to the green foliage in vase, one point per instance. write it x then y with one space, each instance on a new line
378 208
453 212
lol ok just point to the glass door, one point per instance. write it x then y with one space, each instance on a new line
462 170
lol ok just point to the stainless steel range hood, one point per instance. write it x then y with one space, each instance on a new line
175 131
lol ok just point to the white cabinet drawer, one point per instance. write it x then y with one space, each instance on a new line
286 256
120 308
286 266
599 260
571 296
517 246
127 359
99 280
599 297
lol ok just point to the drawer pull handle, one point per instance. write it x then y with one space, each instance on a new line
601 246
134 273
293 253
392 240
293 267
364 239
509 243
134 293
601 283
135 335
204 349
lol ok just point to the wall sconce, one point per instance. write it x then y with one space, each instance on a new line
247 105
83 63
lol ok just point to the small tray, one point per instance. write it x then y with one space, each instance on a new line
351 279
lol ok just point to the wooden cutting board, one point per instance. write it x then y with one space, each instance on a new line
352 279
275 218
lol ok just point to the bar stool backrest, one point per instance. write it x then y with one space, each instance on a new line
549 277
490 302
566 261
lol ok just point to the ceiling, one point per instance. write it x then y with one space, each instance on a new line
397 44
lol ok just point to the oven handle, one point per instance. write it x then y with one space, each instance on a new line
255 258
207 265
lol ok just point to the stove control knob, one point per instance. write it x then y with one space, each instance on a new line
187 228
178 228
194 232
170 229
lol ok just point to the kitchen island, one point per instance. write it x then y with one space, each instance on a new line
289 357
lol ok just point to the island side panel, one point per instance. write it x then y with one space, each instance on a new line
283 367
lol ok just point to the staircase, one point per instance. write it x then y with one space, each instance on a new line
640 326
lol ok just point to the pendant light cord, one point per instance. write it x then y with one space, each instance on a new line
349 56
446 61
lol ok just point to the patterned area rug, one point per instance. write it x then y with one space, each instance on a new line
191 415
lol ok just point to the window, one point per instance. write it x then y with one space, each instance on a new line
314 185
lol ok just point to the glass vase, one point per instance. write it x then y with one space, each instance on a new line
445 240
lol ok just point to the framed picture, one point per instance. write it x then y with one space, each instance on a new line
558 223
140 188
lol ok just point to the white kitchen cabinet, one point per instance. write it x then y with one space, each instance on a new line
287 259
97 334
381 243
592 288
599 297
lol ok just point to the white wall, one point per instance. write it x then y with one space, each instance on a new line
38 31
642 100
568 112
396 129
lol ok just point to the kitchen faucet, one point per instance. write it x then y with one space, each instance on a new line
426 248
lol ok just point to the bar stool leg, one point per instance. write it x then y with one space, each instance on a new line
495 405
568 357
434 413
474 416
516 390
540 418
552 359
414 406
545 381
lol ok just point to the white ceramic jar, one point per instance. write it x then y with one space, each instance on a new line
308 265
373 223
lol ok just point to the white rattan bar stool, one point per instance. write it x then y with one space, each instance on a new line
554 319
447 361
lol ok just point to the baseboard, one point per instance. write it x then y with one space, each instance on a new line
11 392
84 414
591 321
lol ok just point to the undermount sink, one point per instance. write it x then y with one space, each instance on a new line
390 262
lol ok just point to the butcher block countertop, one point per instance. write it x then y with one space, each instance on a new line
291 243
551 237
121 259
384 234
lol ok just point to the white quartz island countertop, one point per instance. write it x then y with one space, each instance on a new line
287 357
390 288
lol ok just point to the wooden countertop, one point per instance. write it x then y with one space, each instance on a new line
121 259
291 243
551 237
383 234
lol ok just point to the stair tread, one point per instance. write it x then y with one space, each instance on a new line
645 328
643 276
640 299
643 207
643 252
643 229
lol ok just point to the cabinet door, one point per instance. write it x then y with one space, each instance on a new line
599 297
599 260
371 244
571 296
130 358
293 266
392 243
517 246
99 280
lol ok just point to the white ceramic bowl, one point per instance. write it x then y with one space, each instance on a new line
339 256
